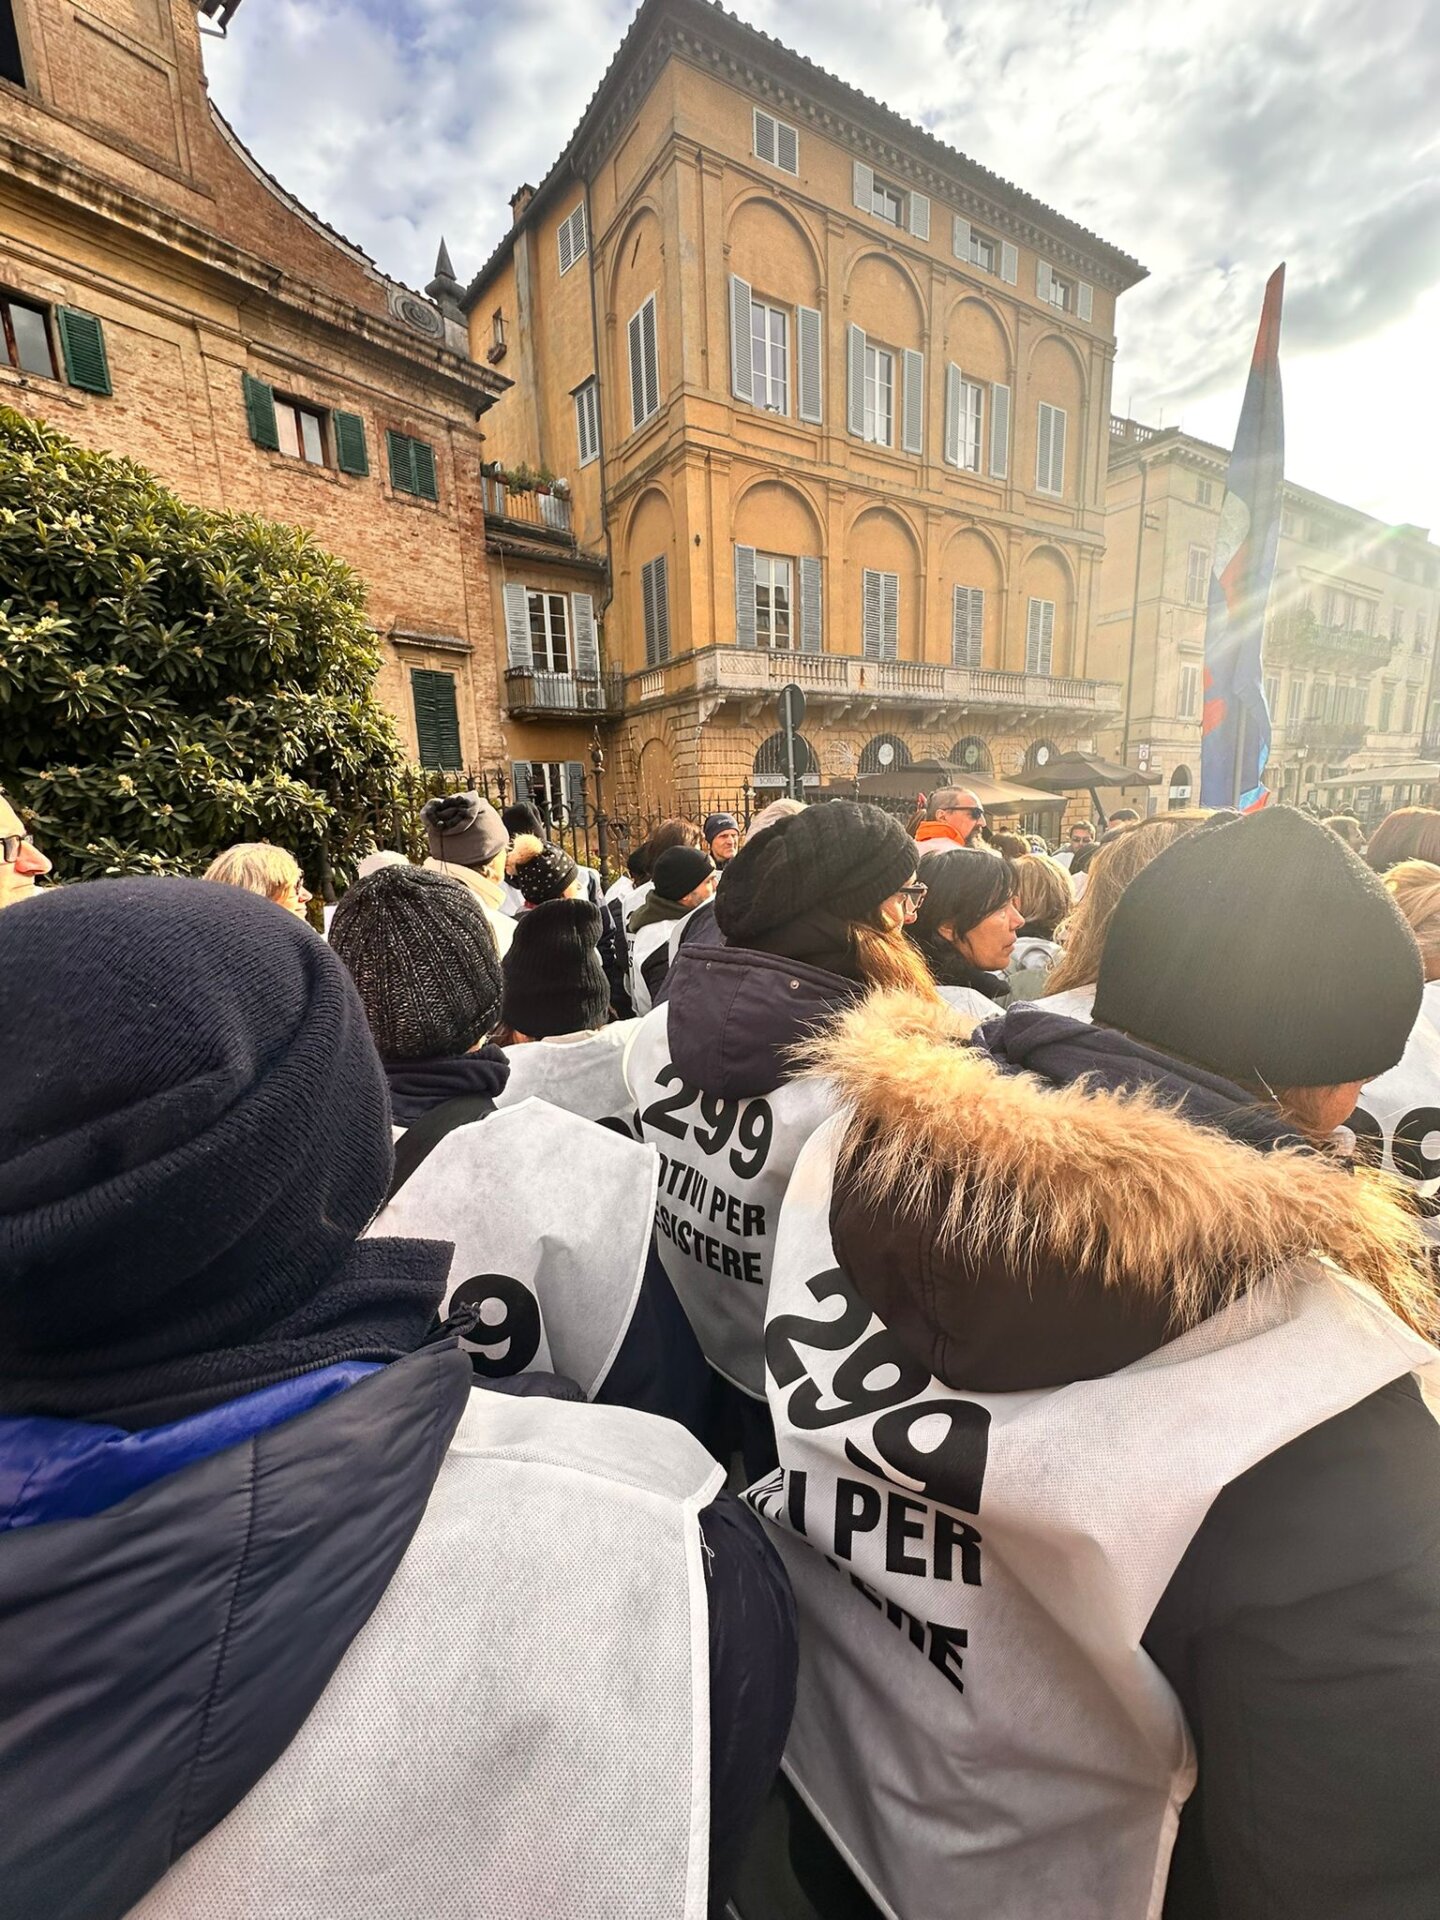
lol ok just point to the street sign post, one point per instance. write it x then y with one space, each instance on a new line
792 713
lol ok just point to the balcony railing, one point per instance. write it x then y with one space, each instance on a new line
1334 734
529 693
1300 633
542 512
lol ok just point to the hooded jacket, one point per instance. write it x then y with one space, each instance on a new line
734 1013
1055 1202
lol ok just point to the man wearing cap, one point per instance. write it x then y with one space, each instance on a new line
684 878
722 837
468 841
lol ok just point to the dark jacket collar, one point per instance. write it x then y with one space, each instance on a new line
418 1085
734 1013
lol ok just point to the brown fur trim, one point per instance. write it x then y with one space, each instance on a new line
1116 1184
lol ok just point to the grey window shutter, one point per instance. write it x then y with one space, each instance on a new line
575 791
637 372
977 626
855 378
967 626
1032 636
952 414
1057 452
744 596
812 624
519 654
890 616
260 412
810 364
1009 262
1047 637
920 216
82 343
1084 299
863 187
787 148
652 356
587 645
351 455
742 374
661 565
1042 281
647 596
764 137
960 237
1044 436
913 431
871 614
422 455
520 779
999 431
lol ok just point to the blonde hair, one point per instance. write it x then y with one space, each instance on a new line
1116 864
767 816
886 958
257 867
1414 885
1044 893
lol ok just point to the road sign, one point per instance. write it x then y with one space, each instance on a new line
792 712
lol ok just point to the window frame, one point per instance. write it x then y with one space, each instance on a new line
291 411
42 313
882 196
760 363
1187 693
544 651
765 639
587 412
871 410
1204 492
1197 579
972 425
1051 492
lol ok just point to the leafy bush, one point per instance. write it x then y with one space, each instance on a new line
174 679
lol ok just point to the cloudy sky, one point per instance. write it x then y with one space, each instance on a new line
1208 146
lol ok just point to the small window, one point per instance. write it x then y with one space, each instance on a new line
769 357
879 396
549 632
572 239
1419 628
555 787
774 602
1272 692
1397 623
12 67
301 430
1204 493
1407 717
412 466
1188 703
644 365
27 334
1197 577
495 352
587 421
972 423
984 252
1062 294
1296 703
776 143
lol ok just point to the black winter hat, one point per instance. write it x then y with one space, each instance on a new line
1266 951
464 829
540 870
554 981
838 855
194 1124
679 870
423 959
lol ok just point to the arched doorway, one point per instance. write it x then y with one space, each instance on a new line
1181 789
884 754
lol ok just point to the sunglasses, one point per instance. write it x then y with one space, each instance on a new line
10 845
976 813
915 892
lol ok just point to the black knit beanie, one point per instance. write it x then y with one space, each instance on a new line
554 982
540 870
464 829
423 959
194 1126
679 870
1265 951
838 855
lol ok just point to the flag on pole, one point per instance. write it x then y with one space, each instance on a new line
1235 740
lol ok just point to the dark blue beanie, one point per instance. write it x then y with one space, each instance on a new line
194 1124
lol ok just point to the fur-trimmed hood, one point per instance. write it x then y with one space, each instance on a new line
1024 1228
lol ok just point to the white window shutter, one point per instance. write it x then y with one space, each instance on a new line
652 357
960 237
871 614
1084 299
567 251
889 616
863 187
1057 450
920 216
952 415
744 596
637 370
1044 418
812 627
764 137
742 372
999 431
1042 281
960 626
809 363
913 429
578 237
1009 262
855 378
587 646
1047 636
787 148
518 652
1033 615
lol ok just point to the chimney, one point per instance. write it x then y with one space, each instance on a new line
519 201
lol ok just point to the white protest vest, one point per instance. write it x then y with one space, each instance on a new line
970 1000
977 1726
1078 1003
1401 1109
643 944
521 1731
551 1217
724 1167
584 1073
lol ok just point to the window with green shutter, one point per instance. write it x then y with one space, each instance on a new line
260 412
82 342
412 465
437 722
351 455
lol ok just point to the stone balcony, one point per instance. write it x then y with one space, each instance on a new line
1330 736
1298 638
844 688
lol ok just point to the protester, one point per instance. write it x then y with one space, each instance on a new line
1409 833
1080 861
1082 834
1349 830
1010 844
540 871
953 817
1122 817
721 834
468 840
257 867
683 878
245 1488
1210 1522
965 925
554 983
521 817
1070 988
1044 897
373 862
21 862
767 816
1398 1114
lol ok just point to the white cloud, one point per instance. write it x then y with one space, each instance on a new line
1209 145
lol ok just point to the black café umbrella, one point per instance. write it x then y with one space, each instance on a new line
1086 773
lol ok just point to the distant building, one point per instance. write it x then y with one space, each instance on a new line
162 297
1350 637
832 405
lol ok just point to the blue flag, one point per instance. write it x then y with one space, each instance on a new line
1235 741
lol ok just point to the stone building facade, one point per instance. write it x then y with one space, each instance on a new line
163 298
831 402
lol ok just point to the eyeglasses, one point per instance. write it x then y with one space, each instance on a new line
915 892
976 813
10 845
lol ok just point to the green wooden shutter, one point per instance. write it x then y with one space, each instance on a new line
83 344
260 412
351 455
402 471
423 463
437 722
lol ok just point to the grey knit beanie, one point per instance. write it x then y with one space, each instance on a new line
423 958
464 829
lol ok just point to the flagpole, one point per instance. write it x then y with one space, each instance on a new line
1238 784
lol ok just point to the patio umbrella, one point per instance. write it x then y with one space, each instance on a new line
1087 773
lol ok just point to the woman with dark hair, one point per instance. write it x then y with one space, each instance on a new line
966 925
1409 833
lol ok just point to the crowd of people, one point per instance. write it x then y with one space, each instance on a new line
849 1369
